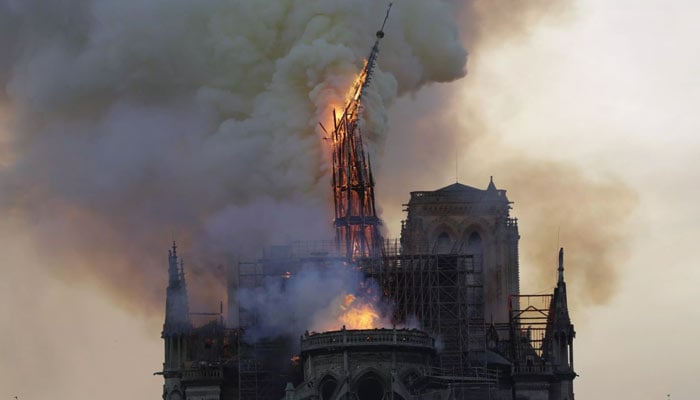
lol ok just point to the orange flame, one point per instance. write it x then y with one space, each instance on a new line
295 359
357 315
356 89
353 92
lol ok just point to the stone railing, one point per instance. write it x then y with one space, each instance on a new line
368 337
532 369
204 373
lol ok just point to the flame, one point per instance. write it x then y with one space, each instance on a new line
353 311
295 359
357 84
347 309
358 315
349 299
336 108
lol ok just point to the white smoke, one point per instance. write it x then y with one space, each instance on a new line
193 119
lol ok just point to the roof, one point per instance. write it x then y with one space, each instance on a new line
458 187
461 193
494 358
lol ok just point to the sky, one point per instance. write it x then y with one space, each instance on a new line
611 87
602 90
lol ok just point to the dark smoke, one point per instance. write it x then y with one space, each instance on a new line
124 126
127 125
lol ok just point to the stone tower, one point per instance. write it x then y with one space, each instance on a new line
176 327
460 219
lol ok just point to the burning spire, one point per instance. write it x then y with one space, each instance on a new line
356 222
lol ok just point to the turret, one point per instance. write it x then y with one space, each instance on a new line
560 339
492 186
560 279
176 326
559 310
176 302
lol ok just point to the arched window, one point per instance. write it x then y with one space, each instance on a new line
327 387
474 244
370 387
443 244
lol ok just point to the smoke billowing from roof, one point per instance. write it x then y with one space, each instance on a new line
125 124
316 299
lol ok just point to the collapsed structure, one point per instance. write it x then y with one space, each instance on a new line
454 273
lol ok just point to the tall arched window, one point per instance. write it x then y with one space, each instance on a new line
370 387
474 244
327 387
443 244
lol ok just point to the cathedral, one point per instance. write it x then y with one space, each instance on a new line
455 269
459 327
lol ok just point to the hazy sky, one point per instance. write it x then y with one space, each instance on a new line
614 87
609 86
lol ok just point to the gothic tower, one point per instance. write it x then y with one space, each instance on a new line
176 327
460 219
560 340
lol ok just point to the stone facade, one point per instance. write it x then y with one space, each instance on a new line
451 235
367 364
460 219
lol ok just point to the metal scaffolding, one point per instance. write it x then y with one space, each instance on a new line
261 375
529 317
255 377
444 294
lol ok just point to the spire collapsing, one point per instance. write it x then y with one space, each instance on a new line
356 222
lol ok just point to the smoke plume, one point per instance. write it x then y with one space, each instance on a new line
126 125
129 124
558 203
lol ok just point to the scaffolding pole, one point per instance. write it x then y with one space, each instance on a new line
444 294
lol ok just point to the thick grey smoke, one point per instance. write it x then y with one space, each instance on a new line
315 299
133 123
